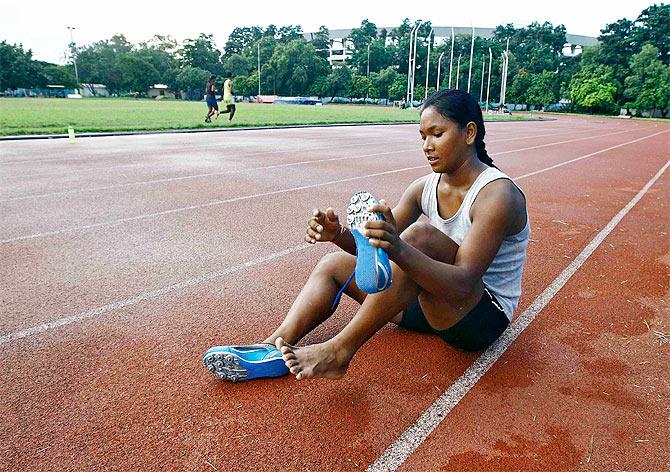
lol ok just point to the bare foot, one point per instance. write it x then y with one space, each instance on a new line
317 360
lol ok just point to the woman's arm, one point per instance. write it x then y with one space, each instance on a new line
325 226
408 209
496 208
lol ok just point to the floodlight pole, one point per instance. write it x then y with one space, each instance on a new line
502 74
481 89
411 92
439 64
367 85
425 95
74 60
259 68
488 85
451 58
503 77
409 63
458 70
504 97
472 50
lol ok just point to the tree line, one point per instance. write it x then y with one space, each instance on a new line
628 68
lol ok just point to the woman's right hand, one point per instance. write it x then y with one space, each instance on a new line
323 226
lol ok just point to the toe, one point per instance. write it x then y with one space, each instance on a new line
289 356
285 350
295 370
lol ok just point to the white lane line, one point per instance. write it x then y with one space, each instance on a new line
154 164
564 131
562 142
148 295
587 156
239 146
265 194
398 452
94 312
211 174
144 164
204 205
223 147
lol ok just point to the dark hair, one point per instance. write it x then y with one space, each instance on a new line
212 77
462 108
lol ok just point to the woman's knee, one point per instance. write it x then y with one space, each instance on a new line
419 234
431 241
335 264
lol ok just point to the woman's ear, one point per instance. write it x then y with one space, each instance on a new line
470 133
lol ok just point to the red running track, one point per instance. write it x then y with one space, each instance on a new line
124 258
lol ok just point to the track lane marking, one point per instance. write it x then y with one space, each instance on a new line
239 146
398 452
161 163
204 205
197 280
561 142
276 192
148 295
211 174
227 147
82 171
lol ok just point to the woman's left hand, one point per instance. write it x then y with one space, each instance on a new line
384 233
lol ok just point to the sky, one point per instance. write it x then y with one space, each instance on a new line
41 25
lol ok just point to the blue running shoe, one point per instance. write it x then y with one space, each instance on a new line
373 269
253 361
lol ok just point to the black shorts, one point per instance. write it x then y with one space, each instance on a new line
474 332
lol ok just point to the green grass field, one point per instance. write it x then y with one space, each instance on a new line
20 116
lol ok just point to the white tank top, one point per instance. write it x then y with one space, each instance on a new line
503 277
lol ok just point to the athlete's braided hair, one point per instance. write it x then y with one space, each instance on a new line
462 108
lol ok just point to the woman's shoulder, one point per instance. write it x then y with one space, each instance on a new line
422 180
499 186
418 185
502 197
414 191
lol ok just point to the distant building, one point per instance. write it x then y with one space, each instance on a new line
266 98
341 46
58 91
340 49
93 90
161 91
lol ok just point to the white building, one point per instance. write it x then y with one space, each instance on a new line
159 91
341 46
93 90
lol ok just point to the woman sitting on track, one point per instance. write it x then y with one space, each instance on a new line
457 276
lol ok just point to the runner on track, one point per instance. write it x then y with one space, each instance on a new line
228 98
458 275
210 98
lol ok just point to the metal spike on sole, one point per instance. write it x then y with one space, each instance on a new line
358 212
225 367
